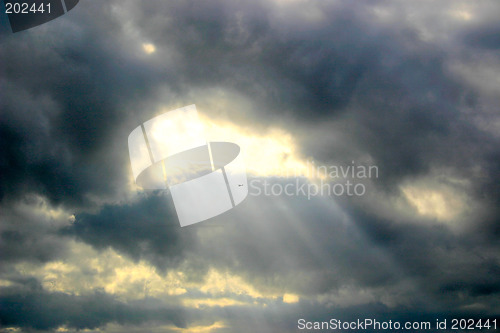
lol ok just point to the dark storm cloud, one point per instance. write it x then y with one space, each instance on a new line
61 107
418 125
146 229
485 36
442 263
302 72
26 234
29 306
406 113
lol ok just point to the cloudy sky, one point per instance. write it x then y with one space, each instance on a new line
411 87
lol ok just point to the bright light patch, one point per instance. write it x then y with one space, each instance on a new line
218 283
462 15
41 208
117 328
273 153
212 302
87 270
441 204
290 298
383 14
149 48
5 283
201 329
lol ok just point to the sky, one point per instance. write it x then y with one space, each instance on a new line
410 88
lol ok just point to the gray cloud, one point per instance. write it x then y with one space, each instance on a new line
146 229
32 307
29 233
